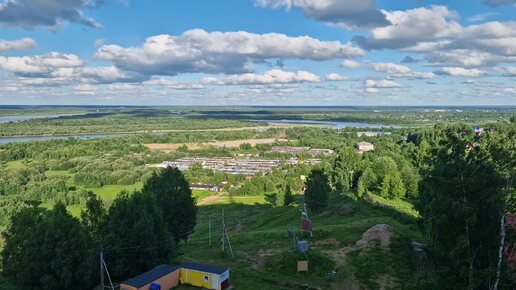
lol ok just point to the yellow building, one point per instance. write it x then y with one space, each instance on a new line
206 276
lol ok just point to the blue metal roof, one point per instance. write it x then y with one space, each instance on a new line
204 268
150 276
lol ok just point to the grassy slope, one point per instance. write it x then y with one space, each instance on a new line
264 256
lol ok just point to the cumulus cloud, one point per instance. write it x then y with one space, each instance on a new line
62 69
392 69
399 71
381 84
19 44
335 77
350 14
481 17
173 85
495 3
219 52
350 64
29 14
461 72
275 76
509 71
39 65
436 32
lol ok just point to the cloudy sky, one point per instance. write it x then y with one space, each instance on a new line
258 52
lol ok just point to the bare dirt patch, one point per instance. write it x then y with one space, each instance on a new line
381 232
339 256
211 199
168 147
327 242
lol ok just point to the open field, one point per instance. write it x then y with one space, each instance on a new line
168 147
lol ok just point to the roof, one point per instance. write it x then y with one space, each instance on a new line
364 143
150 276
204 268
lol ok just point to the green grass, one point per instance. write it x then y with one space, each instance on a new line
109 192
18 164
200 194
263 253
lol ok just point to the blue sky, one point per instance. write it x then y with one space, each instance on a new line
258 52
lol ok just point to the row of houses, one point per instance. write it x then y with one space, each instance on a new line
246 166
165 277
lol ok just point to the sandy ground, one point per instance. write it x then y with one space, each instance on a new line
168 147
260 128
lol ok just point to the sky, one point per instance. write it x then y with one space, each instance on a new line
258 52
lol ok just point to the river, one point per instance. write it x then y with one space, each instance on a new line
4 140
7 119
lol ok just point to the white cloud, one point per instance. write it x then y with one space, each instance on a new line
392 69
350 14
509 71
19 44
400 71
84 89
26 65
173 85
481 17
461 72
29 14
335 77
436 32
350 64
215 52
274 76
381 84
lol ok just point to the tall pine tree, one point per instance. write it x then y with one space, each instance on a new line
174 196
317 190
461 204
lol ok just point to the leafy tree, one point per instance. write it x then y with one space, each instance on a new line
345 165
384 165
135 235
392 186
173 195
93 216
366 182
48 250
461 204
317 190
272 198
288 198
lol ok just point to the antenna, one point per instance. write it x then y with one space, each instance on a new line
225 235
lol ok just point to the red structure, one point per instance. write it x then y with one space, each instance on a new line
510 221
306 225
510 253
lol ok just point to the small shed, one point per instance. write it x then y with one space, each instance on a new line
162 277
206 276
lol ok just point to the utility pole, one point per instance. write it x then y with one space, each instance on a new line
223 230
101 267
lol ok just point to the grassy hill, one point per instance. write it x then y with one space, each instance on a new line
264 255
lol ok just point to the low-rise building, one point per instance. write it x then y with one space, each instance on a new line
364 147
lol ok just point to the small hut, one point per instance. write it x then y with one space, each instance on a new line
206 276
162 277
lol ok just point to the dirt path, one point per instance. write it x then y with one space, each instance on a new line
211 199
